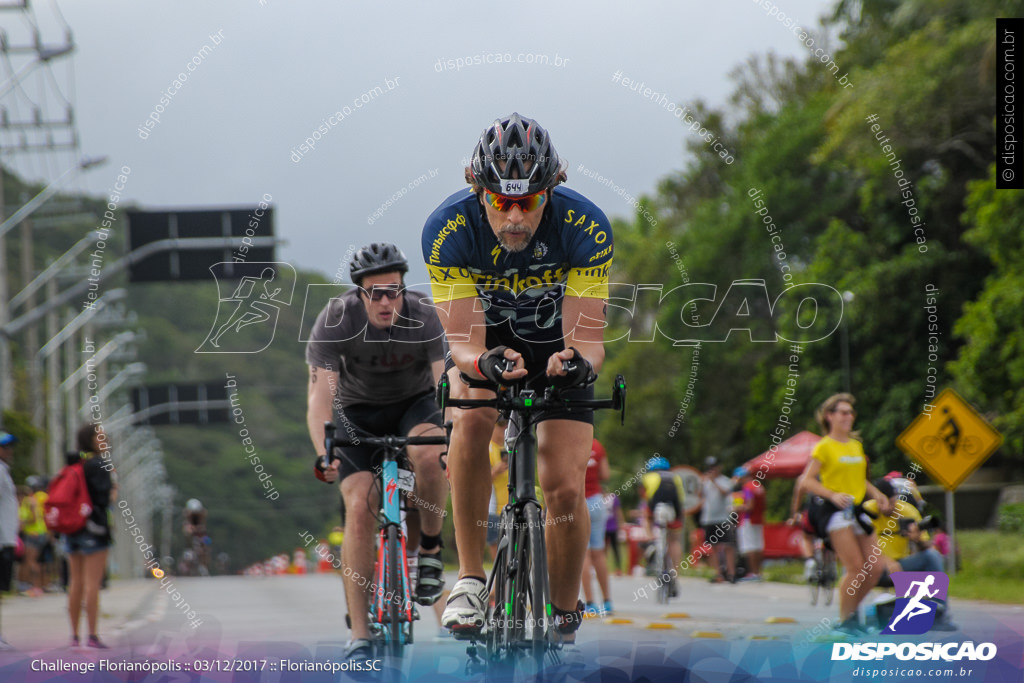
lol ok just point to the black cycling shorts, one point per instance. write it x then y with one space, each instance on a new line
667 493
535 357
396 419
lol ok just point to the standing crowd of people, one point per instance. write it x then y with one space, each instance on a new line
26 538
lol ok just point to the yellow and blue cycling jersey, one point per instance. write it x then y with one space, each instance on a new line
571 253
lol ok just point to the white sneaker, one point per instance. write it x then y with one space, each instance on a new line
466 608
568 657
810 566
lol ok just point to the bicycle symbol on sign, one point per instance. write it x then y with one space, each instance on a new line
950 437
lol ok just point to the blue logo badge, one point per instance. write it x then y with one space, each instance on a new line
915 610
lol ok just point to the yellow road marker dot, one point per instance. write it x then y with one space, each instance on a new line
706 634
618 620
659 625
780 620
675 615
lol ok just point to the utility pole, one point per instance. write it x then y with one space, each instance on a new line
49 127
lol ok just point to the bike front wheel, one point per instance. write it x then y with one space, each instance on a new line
815 582
393 594
530 593
538 591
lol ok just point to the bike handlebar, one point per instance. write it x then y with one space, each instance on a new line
509 398
395 442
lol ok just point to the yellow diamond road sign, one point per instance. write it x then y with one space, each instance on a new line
950 441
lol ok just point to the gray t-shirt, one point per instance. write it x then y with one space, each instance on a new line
8 508
377 366
715 508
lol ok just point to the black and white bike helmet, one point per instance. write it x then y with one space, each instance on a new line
527 153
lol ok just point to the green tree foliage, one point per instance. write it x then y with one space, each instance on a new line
845 219
210 462
20 426
990 365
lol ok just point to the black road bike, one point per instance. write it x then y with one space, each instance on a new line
519 628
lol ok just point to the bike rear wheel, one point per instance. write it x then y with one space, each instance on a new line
828 573
661 566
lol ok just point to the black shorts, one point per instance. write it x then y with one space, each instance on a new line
535 356
6 567
396 419
726 535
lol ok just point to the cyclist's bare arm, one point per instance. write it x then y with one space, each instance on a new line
794 504
323 384
583 329
464 326
436 369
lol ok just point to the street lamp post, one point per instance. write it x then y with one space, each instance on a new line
6 383
844 342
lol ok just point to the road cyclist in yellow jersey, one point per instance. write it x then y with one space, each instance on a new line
519 272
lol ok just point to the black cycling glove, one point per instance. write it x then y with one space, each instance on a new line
578 372
491 364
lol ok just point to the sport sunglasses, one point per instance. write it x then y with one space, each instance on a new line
378 293
525 203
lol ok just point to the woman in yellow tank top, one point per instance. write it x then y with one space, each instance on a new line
837 473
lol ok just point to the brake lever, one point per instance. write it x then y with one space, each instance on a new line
619 397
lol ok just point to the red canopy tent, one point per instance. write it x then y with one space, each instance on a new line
788 460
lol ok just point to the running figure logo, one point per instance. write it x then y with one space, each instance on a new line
252 301
915 611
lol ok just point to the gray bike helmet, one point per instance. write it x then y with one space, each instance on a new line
517 141
379 257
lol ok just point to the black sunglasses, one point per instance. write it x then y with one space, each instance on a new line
378 293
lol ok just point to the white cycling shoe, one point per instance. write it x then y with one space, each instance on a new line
466 608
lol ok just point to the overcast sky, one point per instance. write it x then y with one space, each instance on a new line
231 132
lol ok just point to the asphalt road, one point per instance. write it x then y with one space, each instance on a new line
301 619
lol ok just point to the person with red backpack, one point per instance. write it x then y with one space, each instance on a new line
86 549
